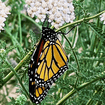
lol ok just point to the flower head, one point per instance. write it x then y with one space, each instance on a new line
4 11
103 17
59 11
2 50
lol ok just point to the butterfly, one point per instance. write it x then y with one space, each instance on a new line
48 63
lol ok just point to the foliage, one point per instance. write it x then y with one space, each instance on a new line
21 100
83 83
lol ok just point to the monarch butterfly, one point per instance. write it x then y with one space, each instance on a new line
48 62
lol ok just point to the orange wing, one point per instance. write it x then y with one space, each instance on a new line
37 93
48 62
52 63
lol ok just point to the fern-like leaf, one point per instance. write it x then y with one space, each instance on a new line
98 31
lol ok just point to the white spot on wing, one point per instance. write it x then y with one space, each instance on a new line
30 79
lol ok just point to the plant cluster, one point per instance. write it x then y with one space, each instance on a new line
83 83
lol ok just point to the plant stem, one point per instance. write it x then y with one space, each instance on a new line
10 75
94 38
12 69
67 25
73 52
15 42
78 21
91 100
75 31
33 21
75 58
74 37
73 91
20 30
92 59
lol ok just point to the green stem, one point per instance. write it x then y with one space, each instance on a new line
14 41
20 30
82 43
101 59
67 25
73 91
10 75
12 69
33 21
75 58
99 103
75 31
91 100
74 36
73 52
94 38
81 20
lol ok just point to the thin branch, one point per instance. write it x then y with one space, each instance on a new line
33 21
10 75
91 100
79 21
20 29
73 91
12 69
73 52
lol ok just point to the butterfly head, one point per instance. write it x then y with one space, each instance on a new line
49 34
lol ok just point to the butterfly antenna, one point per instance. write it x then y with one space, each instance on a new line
44 21
47 24
47 20
69 30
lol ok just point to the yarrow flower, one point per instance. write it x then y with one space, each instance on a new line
2 50
103 17
3 14
59 11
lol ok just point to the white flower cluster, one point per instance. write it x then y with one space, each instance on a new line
3 14
59 11
103 17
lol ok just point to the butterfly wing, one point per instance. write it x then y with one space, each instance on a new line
52 63
35 58
48 62
37 93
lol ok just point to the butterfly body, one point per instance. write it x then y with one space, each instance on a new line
49 34
48 62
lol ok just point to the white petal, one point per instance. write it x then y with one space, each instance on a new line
102 19
37 20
